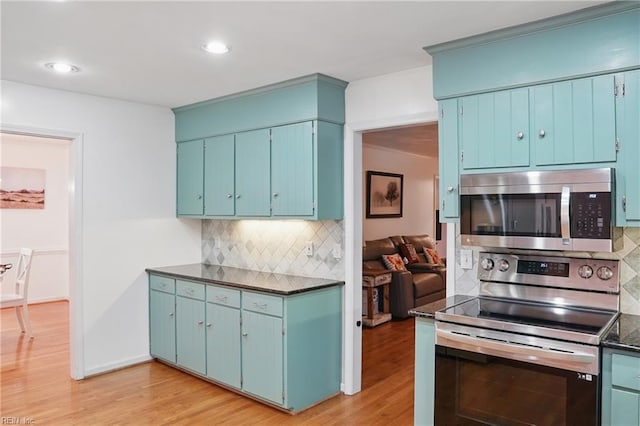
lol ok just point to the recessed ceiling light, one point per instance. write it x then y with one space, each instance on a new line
61 67
216 47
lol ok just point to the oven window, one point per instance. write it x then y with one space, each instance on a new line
476 389
528 215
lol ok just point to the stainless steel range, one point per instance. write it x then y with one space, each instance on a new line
525 351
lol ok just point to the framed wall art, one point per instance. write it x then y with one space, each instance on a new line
384 195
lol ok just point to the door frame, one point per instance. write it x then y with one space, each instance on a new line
76 336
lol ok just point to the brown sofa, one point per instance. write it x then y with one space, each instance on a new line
423 282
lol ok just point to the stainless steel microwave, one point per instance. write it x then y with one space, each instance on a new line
569 210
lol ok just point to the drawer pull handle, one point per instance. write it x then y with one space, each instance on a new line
189 291
261 306
222 298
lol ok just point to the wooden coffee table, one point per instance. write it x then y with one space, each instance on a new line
380 279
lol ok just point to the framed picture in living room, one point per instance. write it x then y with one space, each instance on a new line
384 195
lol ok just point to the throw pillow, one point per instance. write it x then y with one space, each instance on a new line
393 262
432 256
409 252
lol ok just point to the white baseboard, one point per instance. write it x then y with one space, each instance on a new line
107 368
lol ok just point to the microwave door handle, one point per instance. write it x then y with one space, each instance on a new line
565 223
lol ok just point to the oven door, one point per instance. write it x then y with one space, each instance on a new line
476 388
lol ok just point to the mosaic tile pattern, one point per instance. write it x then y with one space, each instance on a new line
275 246
629 256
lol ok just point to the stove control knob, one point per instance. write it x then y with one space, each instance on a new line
486 264
605 273
585 271
503 265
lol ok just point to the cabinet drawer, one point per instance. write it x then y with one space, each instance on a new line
262 303
165 284
223 296
625 371
190 289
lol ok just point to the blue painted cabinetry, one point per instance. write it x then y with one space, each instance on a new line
620 388
255 342
425 372
274 151
628 170
448 160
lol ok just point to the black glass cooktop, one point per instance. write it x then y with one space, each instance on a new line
534 314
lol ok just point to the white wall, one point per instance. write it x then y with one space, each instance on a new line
127 217
418 203
46 231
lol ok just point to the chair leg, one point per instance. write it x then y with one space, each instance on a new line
20 319
25 313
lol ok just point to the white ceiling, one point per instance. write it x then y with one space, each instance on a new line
150 52
419 139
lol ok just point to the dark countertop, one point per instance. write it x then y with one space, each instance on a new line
245 278
624 334
429 310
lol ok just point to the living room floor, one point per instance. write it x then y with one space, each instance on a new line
36 386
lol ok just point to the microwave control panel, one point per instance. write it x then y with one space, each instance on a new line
591 215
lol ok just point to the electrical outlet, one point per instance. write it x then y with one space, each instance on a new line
217 242
466 258
337 251
308 248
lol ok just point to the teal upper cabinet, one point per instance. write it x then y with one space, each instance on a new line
494 129
628 171
275 151
574 121
597 40
292 165
448 159
253 171
190 191
219 176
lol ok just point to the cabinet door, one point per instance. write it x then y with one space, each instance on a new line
253 173
574 121
448 159
190 334
190 178
625 408
223 344
628 128
292 169
162 325
219 176
494 129
262 360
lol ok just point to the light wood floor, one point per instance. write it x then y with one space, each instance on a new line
36 384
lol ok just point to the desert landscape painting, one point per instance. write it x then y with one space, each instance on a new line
21 188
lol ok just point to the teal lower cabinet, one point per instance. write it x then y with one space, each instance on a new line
190 326
223 336
425 372
620 388
162 319
285 350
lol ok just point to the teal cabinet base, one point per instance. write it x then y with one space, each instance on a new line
425 372
620 388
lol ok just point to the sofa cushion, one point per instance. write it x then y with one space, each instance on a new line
420 241
409 252
373 249
393 262
432 256
425 284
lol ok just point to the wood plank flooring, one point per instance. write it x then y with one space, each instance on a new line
35 385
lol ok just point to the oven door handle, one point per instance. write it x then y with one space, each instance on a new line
512 350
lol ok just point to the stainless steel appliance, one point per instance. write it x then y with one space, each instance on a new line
545 210
525 351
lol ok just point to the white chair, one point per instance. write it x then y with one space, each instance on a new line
19 298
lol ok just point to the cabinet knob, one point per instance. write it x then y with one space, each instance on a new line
275 195
542 133
208 324
200 322
245 334
520 135
170 314
229 196
449 188
237 196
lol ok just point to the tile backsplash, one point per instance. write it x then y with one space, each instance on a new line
276 246
629 256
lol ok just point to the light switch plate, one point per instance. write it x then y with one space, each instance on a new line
337 251
466 258
308 248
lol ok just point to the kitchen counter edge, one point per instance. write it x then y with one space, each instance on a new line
429 310
245 279
624 334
